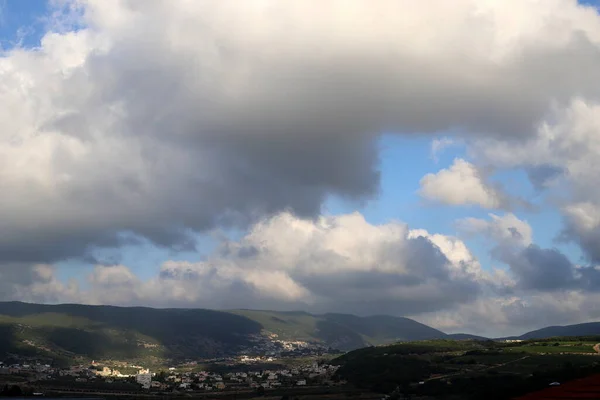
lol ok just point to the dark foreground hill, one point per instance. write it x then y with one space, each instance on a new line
469 369
72 331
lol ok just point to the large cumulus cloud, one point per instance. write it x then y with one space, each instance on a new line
165 118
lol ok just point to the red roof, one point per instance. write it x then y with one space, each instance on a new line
585 388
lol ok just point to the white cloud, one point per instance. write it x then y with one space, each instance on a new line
439 145
506 230
497 316
461 184
337 263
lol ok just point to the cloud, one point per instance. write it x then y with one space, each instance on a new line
137 121
345 264
543 176
505 231
533 268
439 145
541 269
462 184
35 283
336 263
164 120
565 153
583 226
497 316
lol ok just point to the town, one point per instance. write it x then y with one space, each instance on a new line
98 376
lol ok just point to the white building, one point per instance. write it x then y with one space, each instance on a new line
301 382
144 379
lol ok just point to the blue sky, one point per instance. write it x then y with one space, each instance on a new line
22 22
405 160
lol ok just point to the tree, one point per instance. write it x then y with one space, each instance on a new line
12 391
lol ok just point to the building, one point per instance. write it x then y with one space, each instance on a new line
145 380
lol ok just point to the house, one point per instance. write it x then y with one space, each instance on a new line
301 382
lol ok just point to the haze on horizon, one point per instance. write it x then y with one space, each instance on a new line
436 160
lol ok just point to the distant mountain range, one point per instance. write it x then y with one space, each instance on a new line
587 329
465 336
73 331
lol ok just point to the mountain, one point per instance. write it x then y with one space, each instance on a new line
587 329
341 331
465 336
71 331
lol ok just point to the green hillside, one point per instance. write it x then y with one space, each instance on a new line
70 332
468 369
341 331
78 331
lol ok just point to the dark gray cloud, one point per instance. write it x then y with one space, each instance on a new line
540 176
542 269
536 268
585 233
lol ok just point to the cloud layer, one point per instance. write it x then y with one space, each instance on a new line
338 263
178 116
155 121
345 264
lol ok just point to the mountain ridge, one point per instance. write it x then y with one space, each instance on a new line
583 329
71 331
97 331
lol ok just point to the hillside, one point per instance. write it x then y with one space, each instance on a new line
465 336
341 331
468 369
587 329
71 331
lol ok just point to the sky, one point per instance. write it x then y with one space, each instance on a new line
407 158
